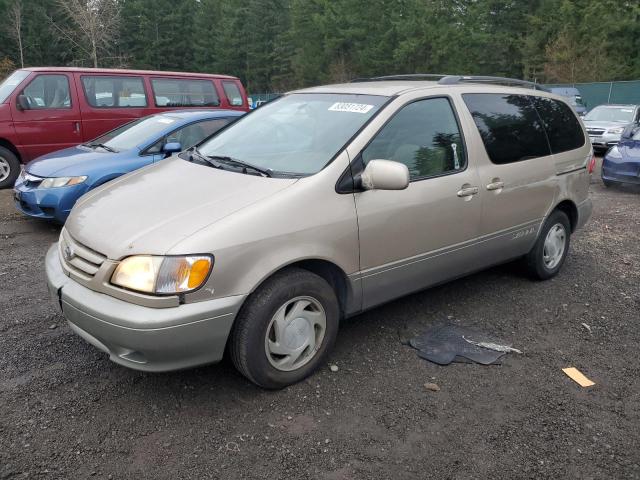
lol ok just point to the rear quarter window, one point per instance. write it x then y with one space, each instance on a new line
233 94
563 129
175 92
509 125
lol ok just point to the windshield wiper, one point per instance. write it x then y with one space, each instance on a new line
102 145
243 165
194 153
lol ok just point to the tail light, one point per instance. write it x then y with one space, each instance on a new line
592 164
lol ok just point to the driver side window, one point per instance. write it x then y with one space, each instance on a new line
48 91
423 135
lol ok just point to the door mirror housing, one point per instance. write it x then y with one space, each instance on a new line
22 103
172 147
385 175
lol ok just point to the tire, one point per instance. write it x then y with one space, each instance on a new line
254 337
607 183
539 266
9 168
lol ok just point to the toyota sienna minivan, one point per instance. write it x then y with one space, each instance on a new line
346 197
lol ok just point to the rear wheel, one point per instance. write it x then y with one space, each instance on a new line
285 329
548 254
9 168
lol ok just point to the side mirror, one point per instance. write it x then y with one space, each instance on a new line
385 175
172 147
22 103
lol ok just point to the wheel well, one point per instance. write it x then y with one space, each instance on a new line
9 146
570 209
333 274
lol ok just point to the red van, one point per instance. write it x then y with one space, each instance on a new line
46 109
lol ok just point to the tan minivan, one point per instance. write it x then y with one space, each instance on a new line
316 207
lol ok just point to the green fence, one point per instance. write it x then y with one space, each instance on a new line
597 93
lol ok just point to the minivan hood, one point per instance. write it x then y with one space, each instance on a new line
152 209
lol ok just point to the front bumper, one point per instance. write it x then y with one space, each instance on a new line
48 203
143 338
619 170
606 140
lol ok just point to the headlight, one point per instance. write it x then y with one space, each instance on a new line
616 130
614 152
54 182
162 275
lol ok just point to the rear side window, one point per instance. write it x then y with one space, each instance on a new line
509 126
424 135
48 91
233 94
170 92
562 127
114 92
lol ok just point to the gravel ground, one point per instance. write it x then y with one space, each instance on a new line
67 412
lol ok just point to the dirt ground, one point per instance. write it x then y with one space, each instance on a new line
67 412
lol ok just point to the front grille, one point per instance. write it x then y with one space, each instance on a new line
595 131
79 258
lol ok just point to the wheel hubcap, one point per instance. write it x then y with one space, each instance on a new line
5 169
295 333
554 245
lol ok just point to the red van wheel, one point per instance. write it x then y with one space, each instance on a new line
9 168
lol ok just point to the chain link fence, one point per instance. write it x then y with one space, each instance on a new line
598 93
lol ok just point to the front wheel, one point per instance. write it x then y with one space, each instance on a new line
9 168
607 183
285 329
550 250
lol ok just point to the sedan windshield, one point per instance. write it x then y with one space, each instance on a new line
610 114
132 134
11 82
297 134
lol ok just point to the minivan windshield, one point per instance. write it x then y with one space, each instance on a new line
297 134
11 82
610 114
132 134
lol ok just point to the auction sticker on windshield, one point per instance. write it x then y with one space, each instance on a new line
350 107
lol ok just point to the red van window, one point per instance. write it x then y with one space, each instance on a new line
233 94
114 92
173 92
48 91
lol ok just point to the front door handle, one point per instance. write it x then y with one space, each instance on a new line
495 185
467 191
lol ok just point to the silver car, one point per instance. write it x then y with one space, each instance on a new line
606 123
316 207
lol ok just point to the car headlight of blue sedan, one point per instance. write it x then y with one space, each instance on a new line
54 182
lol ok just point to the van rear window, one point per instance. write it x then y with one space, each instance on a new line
173 92
114 92
509 126
562 127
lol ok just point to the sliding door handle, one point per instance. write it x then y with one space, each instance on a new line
467 191
495 185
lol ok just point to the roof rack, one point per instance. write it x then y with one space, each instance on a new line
406 76
455 79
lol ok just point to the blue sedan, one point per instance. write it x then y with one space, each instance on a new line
49 186
621 164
